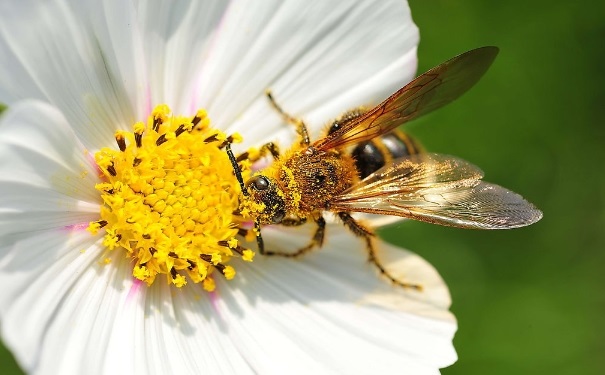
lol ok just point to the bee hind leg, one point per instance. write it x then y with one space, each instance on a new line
361 231
316 241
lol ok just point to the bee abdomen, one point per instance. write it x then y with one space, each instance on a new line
372 155
368 158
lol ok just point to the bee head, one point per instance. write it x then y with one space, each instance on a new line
266 192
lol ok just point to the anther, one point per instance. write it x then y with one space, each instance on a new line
210 139
196 120
138 138
238 249
227 271
226 142
243 156
102 223
108 190
156 123
180 130
161 139
121 141
112 170
136 162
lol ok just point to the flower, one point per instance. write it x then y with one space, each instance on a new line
78 77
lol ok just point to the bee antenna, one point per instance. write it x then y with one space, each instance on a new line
236 170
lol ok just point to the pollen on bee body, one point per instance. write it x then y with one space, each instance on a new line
169 196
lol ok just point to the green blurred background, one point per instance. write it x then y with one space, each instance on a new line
529 300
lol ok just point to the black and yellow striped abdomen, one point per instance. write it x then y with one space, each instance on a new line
374 154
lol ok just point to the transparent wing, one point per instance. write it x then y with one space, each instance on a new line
438 189
429 91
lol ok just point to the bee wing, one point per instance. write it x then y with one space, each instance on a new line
427 92
438 189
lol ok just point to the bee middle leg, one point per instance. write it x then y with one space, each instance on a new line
363 232
316 241
301 128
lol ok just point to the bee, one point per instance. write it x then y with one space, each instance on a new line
312 178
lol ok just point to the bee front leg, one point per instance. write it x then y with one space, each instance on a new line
363 232
270 147
316 241
301 128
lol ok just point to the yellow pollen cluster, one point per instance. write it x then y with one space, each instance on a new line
169 197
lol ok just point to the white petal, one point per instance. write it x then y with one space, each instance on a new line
178 36
319 59
328 313
184 334
92 318
79 58
46 178
331 313
39 273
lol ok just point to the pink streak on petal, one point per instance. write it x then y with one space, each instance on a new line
214 297
247 224
73 227
95 166
134 290
261 164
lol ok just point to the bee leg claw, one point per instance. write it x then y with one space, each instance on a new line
373 259
367 234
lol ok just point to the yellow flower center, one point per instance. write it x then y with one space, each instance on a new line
169 196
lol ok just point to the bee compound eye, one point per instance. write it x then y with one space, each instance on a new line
259 182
